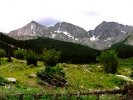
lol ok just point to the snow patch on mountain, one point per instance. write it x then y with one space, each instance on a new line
93 38
66 33
33 27
123 32
53 35
108 39
76 39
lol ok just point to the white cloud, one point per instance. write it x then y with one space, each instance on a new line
84 13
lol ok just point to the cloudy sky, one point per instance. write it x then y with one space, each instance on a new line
84 13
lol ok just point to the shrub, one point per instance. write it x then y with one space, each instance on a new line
2 53
118 81
51 57
19 54
2 80
53 76
31 58
109 60
9 59
131 75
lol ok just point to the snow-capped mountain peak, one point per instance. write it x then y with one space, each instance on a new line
103 36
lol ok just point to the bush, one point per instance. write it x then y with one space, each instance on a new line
118 81
131 75
2 53
53 76
31 58
51 57
2 80
109 60
19 54
9 59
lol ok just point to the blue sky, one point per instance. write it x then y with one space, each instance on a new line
84 13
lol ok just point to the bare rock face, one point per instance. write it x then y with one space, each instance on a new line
103 36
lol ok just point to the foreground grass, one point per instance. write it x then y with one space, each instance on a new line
80 78
63 97
126 67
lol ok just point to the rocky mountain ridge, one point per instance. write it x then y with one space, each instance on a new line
102 37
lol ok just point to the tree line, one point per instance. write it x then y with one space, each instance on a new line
71 53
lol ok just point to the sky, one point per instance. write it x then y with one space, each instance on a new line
84 13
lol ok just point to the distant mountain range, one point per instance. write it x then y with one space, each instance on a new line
102 37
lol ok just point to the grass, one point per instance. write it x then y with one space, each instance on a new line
80 77
19 70
63 97
89 77
125 66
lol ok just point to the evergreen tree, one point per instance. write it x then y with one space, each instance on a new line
19 54
2 53
51 57
31 58
109 60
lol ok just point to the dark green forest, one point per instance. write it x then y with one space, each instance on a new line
123 50
71 53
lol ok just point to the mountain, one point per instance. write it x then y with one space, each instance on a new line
70 30
108 33
61 31
30 31
102 37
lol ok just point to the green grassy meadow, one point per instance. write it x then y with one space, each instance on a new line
80 77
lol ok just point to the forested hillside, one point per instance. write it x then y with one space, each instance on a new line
71 53
124 50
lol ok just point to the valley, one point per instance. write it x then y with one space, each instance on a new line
66 59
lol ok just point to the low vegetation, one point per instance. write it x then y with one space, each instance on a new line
83 77
53 76
78 77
